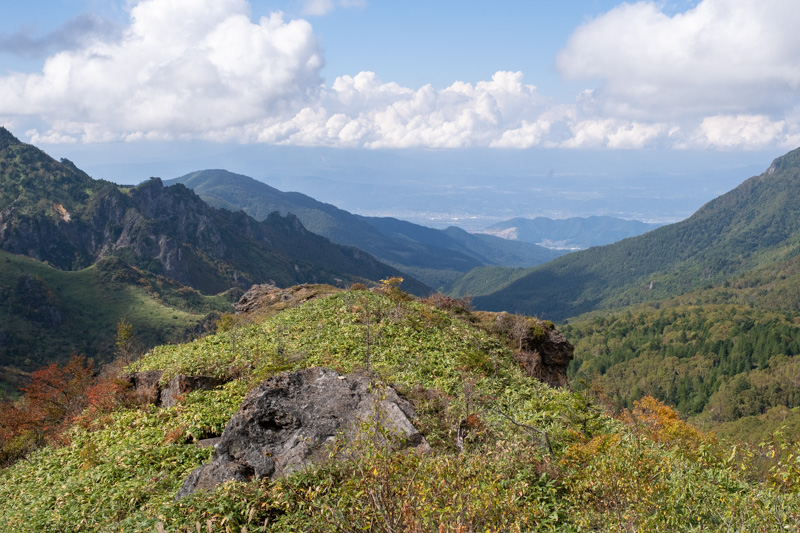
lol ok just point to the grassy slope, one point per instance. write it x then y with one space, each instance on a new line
122 472
89 303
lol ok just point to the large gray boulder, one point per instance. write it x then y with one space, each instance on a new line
293 419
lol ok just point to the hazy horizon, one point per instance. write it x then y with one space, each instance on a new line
640 110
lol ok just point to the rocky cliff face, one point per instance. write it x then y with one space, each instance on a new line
547 357
53 212
540 348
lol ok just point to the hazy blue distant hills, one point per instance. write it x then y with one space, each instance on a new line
481 249
575 233
436 257
755 224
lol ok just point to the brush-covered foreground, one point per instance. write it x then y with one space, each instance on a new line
508 453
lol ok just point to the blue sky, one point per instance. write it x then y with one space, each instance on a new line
412 43
715 77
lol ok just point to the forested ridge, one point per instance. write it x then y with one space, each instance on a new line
436 257
755 224
725 355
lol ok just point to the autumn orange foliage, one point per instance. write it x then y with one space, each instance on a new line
661 424
54 398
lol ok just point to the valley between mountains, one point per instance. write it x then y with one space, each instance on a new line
586 375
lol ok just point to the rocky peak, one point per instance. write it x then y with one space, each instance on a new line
51 211
267 297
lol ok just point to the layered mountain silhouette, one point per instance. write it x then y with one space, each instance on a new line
55 213
575 233
434 256
755 224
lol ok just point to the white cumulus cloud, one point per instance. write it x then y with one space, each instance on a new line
723 74
363 111
720 57
613 133
745 131
182 68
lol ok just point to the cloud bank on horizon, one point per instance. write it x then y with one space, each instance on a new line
723 74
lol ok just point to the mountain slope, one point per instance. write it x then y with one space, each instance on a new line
434 256
485 250
47 314
481 281
570 233
53 212
757 223
725 356
508 452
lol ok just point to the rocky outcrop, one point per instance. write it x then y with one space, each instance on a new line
51 211
268 296
293 419
256 297
546 356
540 349
180 385
147 388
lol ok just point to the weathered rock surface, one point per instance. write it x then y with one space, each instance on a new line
256 297
292 419
147 388
540 349
180 385
546 357
266 296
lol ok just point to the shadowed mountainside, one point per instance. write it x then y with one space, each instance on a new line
436 257
53 212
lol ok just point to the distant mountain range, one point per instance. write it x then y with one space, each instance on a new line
711 302
755 224
436 257
575 233
53 212
157 246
